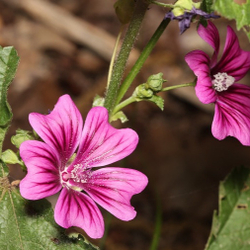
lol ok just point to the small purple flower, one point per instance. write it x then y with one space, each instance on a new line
186 18
51 168
216 83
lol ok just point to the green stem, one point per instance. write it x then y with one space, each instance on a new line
179 86
163 4
132 99
124 104
158 224
128 42
140 61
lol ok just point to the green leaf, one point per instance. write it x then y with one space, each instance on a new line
231 226
206 6
29 225
21 136
8 156
8 65
231 10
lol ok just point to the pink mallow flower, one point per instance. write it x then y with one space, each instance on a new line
217 83
52 170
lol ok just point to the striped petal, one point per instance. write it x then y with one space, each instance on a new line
199 62
101 144
232 114
210 35
234 61
61 129
42 162
112 188
74 208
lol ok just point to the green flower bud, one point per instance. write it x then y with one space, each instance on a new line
142 92
124 10
154 82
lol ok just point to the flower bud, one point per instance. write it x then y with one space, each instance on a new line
142 92
154 82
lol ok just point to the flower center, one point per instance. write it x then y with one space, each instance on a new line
222 81
78 174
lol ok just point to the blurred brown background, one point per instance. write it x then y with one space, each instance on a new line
65 48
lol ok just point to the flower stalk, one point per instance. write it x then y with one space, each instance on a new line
134 98
179 86
125 103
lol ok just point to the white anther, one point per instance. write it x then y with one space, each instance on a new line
222 81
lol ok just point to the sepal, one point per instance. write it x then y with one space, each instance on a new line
158 100
119 115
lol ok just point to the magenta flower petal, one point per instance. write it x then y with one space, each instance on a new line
101 144
42 179
199 62
216 83
61 129
74 208
210 35
232 114
234 61
112 188
50 169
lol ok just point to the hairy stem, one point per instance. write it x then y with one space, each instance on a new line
128 42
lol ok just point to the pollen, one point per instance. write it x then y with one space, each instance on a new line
80 174
222 81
